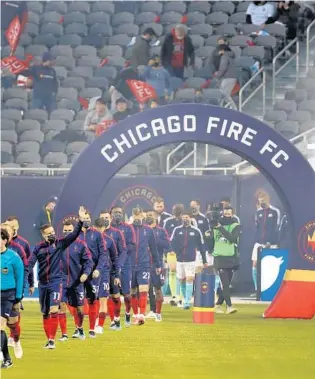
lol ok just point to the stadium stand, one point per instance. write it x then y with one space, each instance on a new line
92 43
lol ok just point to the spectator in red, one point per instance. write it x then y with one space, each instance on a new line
177 51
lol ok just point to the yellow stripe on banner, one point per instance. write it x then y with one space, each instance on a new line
300 275
200 309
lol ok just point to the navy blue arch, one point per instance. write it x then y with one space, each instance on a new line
283 165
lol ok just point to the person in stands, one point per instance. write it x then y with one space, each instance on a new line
98 115
141 49
260 13
177 51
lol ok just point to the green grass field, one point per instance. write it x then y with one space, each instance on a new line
240 346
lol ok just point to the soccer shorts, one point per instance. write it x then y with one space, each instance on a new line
7 301
199 262
157 281
49 295
255 250
140 277
74 296
92 287
125 280
104 285
185 269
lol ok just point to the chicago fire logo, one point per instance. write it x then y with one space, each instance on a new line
204 288
306 241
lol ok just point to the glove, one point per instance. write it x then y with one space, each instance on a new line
95 274
83 278
18 300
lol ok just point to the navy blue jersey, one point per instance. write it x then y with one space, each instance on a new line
49 256
76 261
130 238
146 248
162 217
45 81
171 223
267 225
120 243
202 223
185 242
162 242
97 246
26 246
112 256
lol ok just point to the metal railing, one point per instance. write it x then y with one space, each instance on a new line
193 153
309 39
292 57
241 102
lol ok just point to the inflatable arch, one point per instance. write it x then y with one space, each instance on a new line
282 164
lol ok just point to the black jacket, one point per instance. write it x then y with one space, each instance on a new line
168 47
140 52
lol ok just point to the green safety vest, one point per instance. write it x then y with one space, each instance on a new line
223 247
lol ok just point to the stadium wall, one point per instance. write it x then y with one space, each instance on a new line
30 193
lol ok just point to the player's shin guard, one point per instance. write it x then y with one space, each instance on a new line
63 323
134 303
127 300
143 299
110 308
92 315
15 331
117 306
101 318
158 303
53 325
46 324
11 330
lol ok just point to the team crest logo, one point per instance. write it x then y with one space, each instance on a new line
306 241
4 271
134 196
204 288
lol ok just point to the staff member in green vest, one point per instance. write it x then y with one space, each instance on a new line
226 236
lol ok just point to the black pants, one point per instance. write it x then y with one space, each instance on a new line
152 299
4 346
224 293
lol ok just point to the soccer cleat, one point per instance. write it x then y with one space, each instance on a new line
10 342
127 320
92 334
117 324
219 309
112 325
63 338
7 364
151 314
158 317
18 351
173 302
76 334
81 334
186 307
180 304
50 345
99 330
230 310
141 320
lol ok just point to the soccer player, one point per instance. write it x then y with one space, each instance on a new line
13 221
114 303
141 264
130 238
159 208
157 281
111 265
15 329
12 281
186 240
77 265
48 254
97 246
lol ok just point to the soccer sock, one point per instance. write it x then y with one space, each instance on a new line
189 292
172 283
19 329
179 293
46 323
15 331
53 325
92 315
110 308
183 289
134 303
143 299
63 323
254 273
158 304
79 317
101 318
152 299
127 300
117 306
4 345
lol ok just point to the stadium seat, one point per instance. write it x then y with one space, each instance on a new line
102 29
195 18
194 82
241 41
35 169
227 30
25 40
6 147
127 6
96 40
37 114
63 50
306 125
307 105
119 40
204 30
288 129
257 52
242 6
82 72
56 125
6 157
103 6
52 16
6 51
212 40
227 7
14 93
84 50
199 6
236 50
32 135
275 116
122 18
204 52
238 18
76 28
20 104
64 172
76 147
247 29
97 82
52 147
73 82
61 72
197 41
33 17
58 6
171 17
212 96
152 6
62 114
76 125
7 124
11 114
277 30
185 94
131 29
217 18
9 136
106 72
300 116
97 17
35 6
38 50
55 159
306 84
52 28
66 62
71 104
81 115
24 125
80 6
175 6
75 16
107 51
72 40
45 39
145 18
286 105
31 29
27 146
